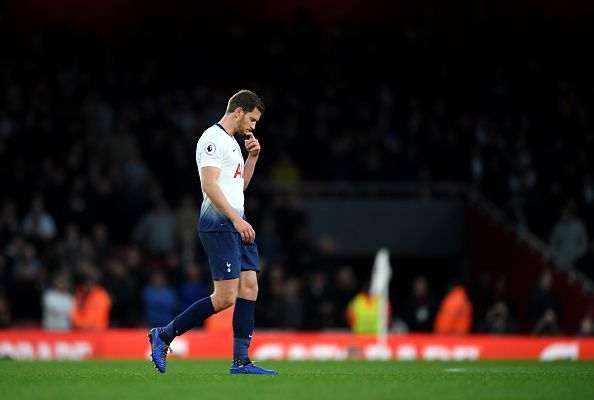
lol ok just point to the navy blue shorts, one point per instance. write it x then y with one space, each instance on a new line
228 255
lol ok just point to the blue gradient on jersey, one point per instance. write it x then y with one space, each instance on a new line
212 220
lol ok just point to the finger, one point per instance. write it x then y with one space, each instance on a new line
248 235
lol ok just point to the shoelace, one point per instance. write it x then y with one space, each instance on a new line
250 363
243 365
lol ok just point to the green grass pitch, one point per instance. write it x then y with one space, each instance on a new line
298 380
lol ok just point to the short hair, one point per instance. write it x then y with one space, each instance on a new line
247 100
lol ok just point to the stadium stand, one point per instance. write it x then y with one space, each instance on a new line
97 163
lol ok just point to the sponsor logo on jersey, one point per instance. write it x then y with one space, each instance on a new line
238 172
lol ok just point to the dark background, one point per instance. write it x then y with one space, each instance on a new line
103 101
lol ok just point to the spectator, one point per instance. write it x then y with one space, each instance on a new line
186 218
547 325
328 250
186 222
4 273
87 250
569 239
419 308
57 304
285 171
586 327
172 268
101 244
9 223
187 251
268 241
193 288
123 291
318 305
345 288
25 291
293 308
454 316
156 230
38 224
134 172
500 293
133 260
5 317
69 246
160 300
498 320
271 310
364 311
91 303
544 307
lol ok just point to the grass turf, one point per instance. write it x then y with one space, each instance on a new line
297 380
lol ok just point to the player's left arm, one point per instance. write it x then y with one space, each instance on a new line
253 147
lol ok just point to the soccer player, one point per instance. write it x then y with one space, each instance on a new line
228 239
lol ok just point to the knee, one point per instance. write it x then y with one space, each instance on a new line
222 301
227 302
249 291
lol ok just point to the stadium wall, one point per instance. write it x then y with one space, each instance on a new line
417 227
133 344
497 251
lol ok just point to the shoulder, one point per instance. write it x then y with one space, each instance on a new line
213 135
214 132
100 293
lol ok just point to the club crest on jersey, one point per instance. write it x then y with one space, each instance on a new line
210 148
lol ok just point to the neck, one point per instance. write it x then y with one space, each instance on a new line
228 123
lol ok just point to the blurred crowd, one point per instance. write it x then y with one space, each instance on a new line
100 193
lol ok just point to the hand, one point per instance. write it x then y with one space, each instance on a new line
252 145
246 231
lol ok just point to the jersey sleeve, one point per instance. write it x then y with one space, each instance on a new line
211 152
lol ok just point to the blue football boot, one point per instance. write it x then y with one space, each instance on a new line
159 349
248 367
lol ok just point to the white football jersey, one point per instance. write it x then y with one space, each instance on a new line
216 148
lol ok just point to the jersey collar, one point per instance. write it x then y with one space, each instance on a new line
221 126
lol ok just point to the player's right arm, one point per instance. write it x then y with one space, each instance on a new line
216 195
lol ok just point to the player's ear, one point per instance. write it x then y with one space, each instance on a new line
238 112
